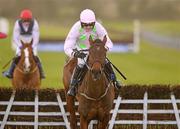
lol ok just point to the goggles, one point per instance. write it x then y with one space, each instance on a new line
87 24
26 20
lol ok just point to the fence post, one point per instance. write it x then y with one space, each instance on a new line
175 110
4 25
36 110
145 107
115 111
63 111
91 125
8 110
136 36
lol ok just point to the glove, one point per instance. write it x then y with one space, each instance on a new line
20 47
79 54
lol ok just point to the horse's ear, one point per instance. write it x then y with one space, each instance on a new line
105 39
91 40
31 42
22 43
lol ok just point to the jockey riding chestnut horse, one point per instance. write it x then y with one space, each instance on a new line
95 92
77 39
26 75
25 27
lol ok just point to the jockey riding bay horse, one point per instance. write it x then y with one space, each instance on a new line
95 93
26 74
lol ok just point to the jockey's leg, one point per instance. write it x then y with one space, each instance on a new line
77 75
111 75
75 80
42 75
9 72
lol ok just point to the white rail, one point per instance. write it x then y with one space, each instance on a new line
115 121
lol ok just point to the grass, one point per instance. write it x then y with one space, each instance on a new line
119 31
152 65
164 27
51 31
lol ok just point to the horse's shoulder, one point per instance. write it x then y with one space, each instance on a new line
70 63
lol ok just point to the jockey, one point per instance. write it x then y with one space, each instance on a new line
77 39
26 26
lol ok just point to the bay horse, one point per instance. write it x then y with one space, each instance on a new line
95 93
26 74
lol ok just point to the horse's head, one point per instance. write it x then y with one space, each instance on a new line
26 56
97 56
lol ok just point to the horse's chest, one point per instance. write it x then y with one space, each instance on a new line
93 109
86 108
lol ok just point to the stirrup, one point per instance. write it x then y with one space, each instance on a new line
72 91
7 74
117 85
42 76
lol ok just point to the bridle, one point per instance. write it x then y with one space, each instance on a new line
26 62
101 72
90 67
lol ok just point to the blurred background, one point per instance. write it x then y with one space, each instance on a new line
146 36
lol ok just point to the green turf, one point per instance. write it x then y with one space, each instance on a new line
152 65
119 31
170 28
52 31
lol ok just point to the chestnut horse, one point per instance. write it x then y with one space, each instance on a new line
95 93
26 74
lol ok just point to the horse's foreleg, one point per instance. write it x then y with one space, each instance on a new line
71 108
83 123
103 124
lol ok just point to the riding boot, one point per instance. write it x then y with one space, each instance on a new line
42 75
9 72
111 75
74 81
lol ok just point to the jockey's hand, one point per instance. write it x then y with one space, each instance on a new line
79 54
20 47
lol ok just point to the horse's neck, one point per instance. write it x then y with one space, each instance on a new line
22 61
94 88
32 61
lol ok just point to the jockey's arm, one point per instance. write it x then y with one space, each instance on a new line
102 32
35 34
71 39
16 35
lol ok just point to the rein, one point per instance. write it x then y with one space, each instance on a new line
96 99
20 70
107 88
7 64
89 68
